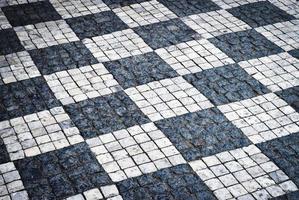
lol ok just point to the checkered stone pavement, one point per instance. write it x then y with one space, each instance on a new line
149 99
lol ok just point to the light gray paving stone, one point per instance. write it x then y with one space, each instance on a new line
79 84
12 186
16 67
193 56
145 13
215 23
75 8
54 131
134 157
284 34
168 98
45 34
267 117
240 178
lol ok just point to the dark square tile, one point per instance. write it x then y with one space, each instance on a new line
9 42
166 33
4 158
25 97
140 69
122 3
288 196
96 24
189 7
61 173
226 84
105 114
202 133
284 152
245 45
294 53
174 183
62 57
30 13
260 14
291 96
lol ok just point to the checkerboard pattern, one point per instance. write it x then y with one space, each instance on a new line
149 99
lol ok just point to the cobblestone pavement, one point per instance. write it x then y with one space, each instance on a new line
149 99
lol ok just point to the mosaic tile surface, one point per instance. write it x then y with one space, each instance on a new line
149 99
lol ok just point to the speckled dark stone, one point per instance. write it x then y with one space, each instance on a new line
260 14
174 183
202 133
62 57
61 173
92 25
140 69
30 13
294 53
122 3
245 45
166 33
288 196
291 96
25 97
226 84
284 152
4 157
9 42
184 8
105 114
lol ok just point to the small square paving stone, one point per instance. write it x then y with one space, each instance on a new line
226 84
215 23
11 185
144 13
294 53
290 6
16 67
262 118
45 34
116 45
30 13
134 151
284 34
291 96
284 153
3 152
38 133
139 69
245 45
92 25
193 56
189 7
276 72
241 173
178 182
288 196
62 173
109 192
225 4
62 57
76 85
121 3
168 98
4 24
76 8
9 42
260 14
166 33
202 133
105 114
25 97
